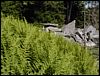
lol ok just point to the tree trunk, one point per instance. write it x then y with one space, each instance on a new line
68 5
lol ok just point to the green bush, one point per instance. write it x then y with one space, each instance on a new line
11 8
27 50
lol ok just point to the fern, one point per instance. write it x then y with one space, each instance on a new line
27 50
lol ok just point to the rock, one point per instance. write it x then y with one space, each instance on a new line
59 33
96 34
96 40
77 38
90 43
80 33
90 29
50 27
49 24
72 39
69 28
89 32
89 35
85 38
54 29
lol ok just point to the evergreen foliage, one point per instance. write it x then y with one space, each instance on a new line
45 11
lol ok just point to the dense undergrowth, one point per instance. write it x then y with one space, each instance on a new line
27 50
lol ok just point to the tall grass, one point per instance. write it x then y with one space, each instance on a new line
27 50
